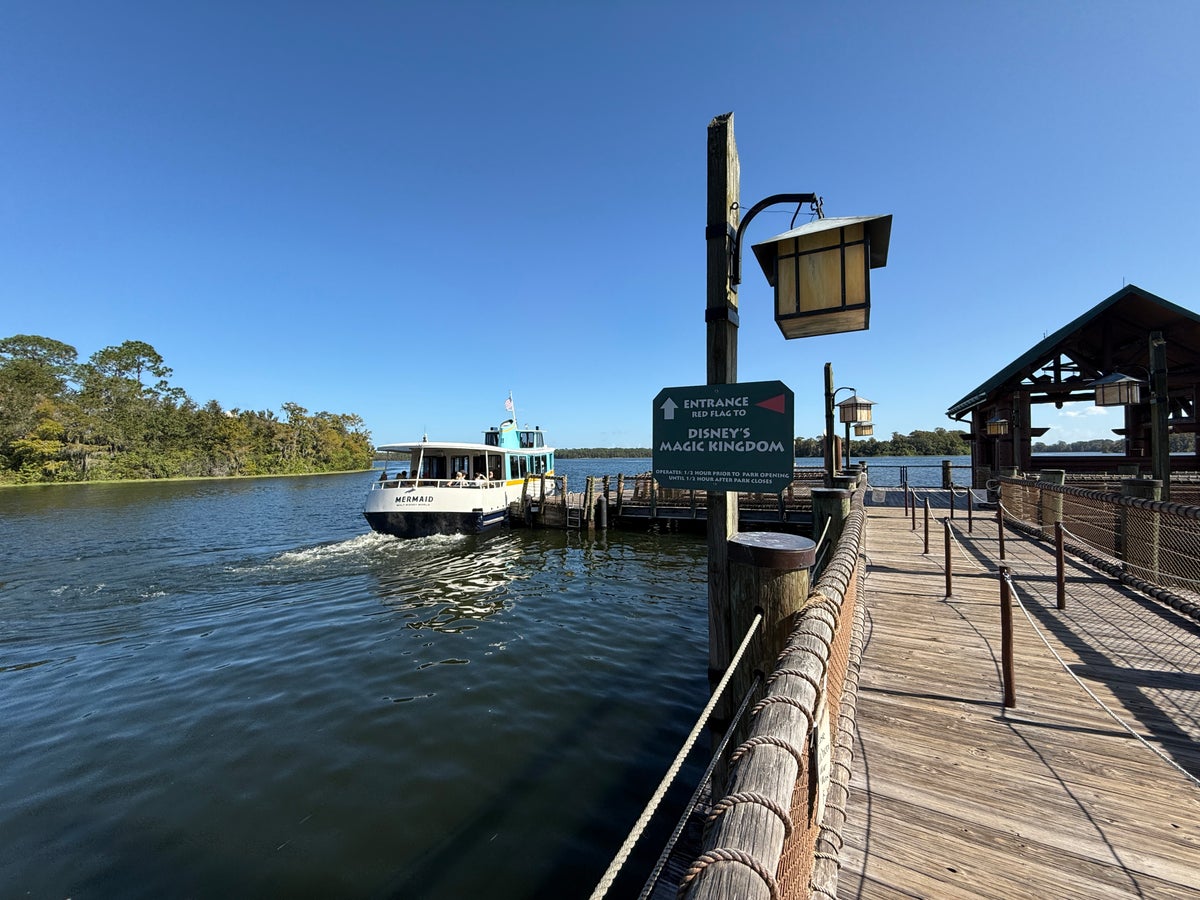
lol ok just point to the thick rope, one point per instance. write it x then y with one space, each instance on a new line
729 801
767 740
1119 570
1067 668
652 881
626 848
727 854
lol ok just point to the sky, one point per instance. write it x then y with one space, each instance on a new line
406 211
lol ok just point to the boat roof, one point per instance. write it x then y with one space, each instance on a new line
417 446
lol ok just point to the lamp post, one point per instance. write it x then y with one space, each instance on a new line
821 276
1118 389
854 410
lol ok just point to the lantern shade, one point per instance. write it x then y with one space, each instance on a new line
997 426
863 429
1117 390
820 272
855 409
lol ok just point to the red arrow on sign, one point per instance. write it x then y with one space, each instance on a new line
774 404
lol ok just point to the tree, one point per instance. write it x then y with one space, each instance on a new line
35 372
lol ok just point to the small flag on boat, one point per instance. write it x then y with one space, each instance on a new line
508 403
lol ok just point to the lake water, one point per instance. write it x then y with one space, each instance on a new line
220 688
233 687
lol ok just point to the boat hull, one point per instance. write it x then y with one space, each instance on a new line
407 510
411 524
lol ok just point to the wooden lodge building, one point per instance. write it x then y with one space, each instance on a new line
1152 342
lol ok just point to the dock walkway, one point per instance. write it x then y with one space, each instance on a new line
953 795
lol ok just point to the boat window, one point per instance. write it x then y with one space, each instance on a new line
539 465
459 464
434 468
491 438
518 466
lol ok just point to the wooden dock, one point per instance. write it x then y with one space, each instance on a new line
953 795
637 503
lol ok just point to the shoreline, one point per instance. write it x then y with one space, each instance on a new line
29 484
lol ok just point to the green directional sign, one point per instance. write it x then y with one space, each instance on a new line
725 437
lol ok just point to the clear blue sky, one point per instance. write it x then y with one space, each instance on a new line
406 210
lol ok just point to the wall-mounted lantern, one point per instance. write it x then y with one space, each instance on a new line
998 426
1117 390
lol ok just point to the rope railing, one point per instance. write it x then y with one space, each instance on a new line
752 850
1151 546
635 833
1014 594
698 793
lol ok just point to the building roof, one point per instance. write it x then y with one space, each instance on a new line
1111 335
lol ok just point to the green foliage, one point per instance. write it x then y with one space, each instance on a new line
938 442
604 453
1179 443
117 416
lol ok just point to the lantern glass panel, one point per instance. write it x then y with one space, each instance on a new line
820 280
1118 393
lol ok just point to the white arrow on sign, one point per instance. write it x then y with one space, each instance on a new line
668 409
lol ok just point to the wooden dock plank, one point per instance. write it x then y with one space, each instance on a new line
955 796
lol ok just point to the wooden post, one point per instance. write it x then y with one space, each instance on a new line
830 450
949 558
1160 407
970 510
589 498
1050 503
1000 527
1006 639
1140 551
768 572
620 493
832 505
1059 567
947 477
927 525
914 511
721 316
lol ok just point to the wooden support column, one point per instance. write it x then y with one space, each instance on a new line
1160 408
721 316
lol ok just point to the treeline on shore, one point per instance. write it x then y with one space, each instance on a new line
1179 443
938 442
116 416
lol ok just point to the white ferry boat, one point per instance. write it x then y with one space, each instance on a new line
435 487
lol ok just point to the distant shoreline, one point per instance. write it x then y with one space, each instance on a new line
28 484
